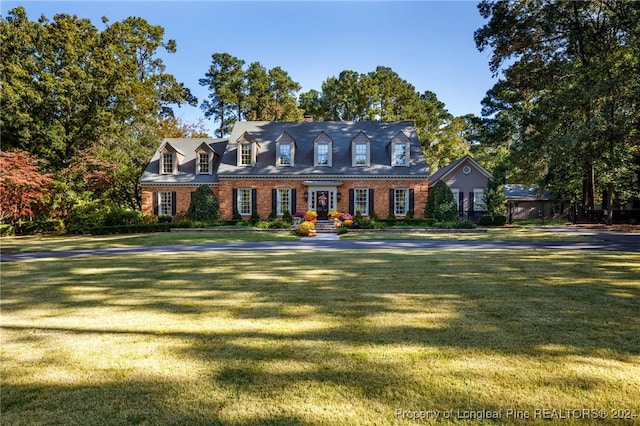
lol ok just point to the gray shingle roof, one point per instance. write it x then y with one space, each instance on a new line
304 133
187 167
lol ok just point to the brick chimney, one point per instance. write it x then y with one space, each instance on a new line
308 118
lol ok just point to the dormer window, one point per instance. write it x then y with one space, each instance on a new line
285 148
360 152
322 150
167 163
400 150
360 155
203 163
247 150
204 159
246 154
170 159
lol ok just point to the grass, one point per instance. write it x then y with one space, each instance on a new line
319 337
60 243
79 242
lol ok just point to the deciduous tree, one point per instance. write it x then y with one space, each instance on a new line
22 185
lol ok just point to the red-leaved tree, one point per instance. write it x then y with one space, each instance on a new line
21 185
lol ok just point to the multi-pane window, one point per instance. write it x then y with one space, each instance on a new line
399 154
167 162
203 162
361 201
456 197
322 154
360 157
244 201
401 202
479 204
165 203
246 157
284 201
284 157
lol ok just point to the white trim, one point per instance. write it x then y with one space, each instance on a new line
395 201
279 211
239 201
478 195
361 139
456 196
367 201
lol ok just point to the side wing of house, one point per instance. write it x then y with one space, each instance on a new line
468 180
178 167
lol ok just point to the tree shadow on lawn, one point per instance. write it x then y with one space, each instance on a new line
287 323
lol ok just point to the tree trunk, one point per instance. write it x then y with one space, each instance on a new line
609 215
588 187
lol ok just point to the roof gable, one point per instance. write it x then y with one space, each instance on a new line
445 172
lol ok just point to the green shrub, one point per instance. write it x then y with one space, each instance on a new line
446 225
204 205
441 206
85 216
467 224
279 224
255 217
446 212
486 220
492 220
371 224
119 216
6 230
499 220
41 226
286 217
342 230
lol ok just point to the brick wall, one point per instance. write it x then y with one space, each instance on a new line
183 196
264 202
224 191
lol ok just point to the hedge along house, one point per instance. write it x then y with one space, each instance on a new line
468 181
273 167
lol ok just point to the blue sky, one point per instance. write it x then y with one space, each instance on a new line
427 43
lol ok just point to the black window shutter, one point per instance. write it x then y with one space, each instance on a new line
155 203
254 200
274 200
471 204
352 195
411 203
461 202
293 201
234 200
173 203
391 203
371 203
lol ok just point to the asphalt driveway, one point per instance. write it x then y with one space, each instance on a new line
605 240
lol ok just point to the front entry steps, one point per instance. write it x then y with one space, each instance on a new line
326 227
325 230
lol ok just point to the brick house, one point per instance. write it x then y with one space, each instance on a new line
289 166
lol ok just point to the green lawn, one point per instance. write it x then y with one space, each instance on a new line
308 338
81 242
